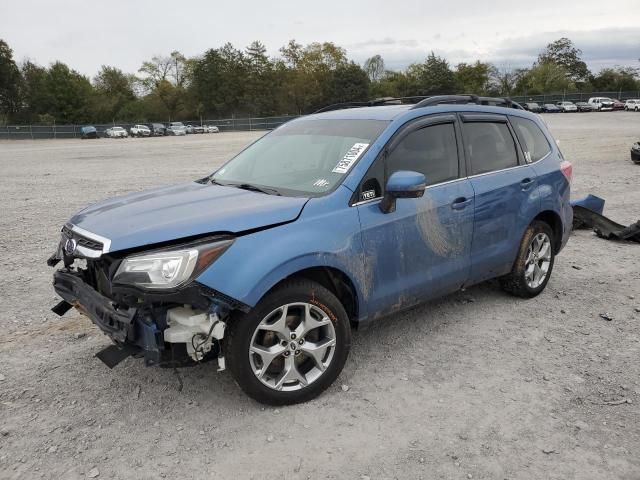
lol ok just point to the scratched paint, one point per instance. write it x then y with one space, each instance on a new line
442 240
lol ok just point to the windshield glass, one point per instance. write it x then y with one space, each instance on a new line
302 157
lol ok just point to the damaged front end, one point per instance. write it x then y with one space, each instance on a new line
147 302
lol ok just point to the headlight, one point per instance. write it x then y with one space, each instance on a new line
166 269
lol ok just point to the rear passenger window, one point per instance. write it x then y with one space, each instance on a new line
490 146
533 141
430 150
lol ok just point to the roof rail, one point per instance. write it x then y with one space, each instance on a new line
371 103
466 99
420 101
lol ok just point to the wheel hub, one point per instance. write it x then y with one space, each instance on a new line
292 346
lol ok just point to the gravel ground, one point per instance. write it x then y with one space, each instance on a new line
476 385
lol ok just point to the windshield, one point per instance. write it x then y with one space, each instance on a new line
307 157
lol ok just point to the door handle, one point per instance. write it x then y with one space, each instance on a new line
460 203
527 183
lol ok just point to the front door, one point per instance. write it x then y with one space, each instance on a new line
421 250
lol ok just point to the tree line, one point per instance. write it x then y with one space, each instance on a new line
229 81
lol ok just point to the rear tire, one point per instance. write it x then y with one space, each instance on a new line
291 346
533 266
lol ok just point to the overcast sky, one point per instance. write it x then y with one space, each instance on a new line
124 33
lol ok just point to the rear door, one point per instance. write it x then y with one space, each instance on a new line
421 250
505 193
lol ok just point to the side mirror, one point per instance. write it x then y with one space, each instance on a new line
402 184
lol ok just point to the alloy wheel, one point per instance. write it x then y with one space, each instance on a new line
538 260
292 346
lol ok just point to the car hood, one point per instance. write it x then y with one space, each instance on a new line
185 210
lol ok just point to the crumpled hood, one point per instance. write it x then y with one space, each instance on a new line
173 212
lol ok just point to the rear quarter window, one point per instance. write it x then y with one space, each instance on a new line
533 141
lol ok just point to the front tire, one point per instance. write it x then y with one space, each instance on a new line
532 269
291 346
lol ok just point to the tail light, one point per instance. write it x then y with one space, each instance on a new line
567 169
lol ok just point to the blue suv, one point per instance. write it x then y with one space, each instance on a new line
330 221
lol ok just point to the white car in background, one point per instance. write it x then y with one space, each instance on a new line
116 132
601 104
567 106
177 128
140 131
211 129
632 104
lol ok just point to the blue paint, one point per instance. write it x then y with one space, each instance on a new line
458 233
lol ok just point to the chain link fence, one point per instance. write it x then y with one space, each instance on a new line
34 132
574 96
37 132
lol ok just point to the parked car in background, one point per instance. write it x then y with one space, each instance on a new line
189 129
601 104
632 104
635 153
116 132
264 268
198 129
158 130
176 128
140 131
566 106
584 107
88 132
617 104
211 129
550 108
532 107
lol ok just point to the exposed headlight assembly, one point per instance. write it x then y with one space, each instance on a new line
166 269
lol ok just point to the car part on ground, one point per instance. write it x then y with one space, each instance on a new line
265 268
605 227
591 202
588 213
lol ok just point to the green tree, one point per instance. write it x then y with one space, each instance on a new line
433 77
349 83
63 94
564 53
114 91
167 78
616 79
10 82
474 78
545 77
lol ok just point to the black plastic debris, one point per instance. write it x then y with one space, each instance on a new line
587 213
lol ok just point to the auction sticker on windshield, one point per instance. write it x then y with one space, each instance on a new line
350 158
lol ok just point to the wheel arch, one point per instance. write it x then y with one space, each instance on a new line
552 219
334 280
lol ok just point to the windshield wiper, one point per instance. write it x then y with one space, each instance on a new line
255 188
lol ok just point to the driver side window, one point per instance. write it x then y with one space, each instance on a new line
430 150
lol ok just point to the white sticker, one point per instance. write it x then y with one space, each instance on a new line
321 183
350 158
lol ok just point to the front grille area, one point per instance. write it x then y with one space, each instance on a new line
82 240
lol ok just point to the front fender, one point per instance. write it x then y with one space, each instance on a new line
327 234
